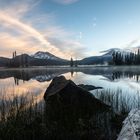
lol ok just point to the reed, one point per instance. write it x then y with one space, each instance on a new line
119 101
23 117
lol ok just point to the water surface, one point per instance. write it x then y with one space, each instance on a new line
121 84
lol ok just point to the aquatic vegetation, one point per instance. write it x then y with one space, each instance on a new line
22 117
120 102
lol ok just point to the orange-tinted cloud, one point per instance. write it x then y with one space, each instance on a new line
19 33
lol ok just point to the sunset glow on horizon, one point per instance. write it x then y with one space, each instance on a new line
66 28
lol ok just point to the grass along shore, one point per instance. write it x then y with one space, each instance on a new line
24 118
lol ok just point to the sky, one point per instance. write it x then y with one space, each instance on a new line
68 28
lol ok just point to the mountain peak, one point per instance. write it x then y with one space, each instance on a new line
112 50
44 55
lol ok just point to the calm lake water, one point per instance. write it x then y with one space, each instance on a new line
121 85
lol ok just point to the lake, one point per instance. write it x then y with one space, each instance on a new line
121 85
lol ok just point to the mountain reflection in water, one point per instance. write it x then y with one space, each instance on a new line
36 80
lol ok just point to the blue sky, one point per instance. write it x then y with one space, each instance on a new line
66 28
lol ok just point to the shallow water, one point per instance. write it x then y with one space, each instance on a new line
116 80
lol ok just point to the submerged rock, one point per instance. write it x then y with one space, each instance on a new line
70 92
74 113
89 87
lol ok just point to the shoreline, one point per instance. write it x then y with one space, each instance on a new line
68 67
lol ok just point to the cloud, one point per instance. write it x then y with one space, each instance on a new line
133 45
94 24
18 8
22 34
21 44
65 2
69 45
24 27
80 35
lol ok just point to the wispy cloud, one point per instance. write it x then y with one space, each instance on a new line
94 24
133 45
14 23
65 2
21 34
10 43
68 46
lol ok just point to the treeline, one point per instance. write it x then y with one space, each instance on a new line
18 61
24 60
129 59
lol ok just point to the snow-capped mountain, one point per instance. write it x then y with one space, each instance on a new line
38 59
112 50
133 49
106 56
123 51
45 55
45 58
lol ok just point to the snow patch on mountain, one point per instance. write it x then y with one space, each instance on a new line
45 55
134 49
122 51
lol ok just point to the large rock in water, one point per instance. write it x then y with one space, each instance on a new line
70 92
74 113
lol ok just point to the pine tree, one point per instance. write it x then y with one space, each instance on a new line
26 61
113 58
15 53
71 62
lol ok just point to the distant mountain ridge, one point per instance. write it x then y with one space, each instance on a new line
41 58
106 56
37 59
4 61
103 59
